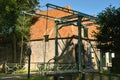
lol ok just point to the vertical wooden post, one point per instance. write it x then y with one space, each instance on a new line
79 43
56 48
56 42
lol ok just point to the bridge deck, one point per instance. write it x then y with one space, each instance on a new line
57 73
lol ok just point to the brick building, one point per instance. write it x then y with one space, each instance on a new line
44 51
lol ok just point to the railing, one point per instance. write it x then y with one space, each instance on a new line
12 67
42 67
60 67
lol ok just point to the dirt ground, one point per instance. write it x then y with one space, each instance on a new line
16 76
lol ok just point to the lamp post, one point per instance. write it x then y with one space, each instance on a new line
29 56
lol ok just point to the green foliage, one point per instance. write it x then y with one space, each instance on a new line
11 16
21 71
14 25
7 14
109 30
23 26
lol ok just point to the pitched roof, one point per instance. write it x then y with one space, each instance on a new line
43 26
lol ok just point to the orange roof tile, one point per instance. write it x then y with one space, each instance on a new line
45 26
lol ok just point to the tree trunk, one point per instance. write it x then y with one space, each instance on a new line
21 52
14 47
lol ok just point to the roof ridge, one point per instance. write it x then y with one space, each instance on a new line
68 7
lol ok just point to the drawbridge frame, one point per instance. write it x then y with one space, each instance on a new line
65 21
69 20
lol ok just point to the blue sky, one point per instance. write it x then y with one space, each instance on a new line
85 6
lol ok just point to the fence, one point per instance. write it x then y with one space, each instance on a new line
42 68
57 68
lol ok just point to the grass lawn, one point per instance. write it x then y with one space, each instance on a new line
24 76
37 78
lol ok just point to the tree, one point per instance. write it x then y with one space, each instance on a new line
109 30
14 25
